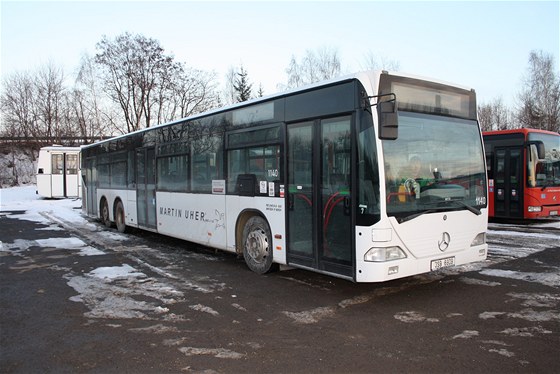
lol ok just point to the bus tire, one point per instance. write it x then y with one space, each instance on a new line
257 246
105 213
120 218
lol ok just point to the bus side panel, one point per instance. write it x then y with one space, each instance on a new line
195 217
272 208
44 185
72 186
57 185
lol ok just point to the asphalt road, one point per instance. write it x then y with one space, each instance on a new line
87 299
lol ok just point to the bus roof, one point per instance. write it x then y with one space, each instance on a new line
524 131
371 77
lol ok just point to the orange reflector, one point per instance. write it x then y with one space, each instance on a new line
278 248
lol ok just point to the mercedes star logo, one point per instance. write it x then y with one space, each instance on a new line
443 244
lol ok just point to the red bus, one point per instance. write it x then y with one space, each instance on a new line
523 173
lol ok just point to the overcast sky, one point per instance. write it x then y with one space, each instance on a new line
484 45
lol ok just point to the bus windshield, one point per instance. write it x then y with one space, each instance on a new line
436 164
544 173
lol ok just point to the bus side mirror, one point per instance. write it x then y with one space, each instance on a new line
388 120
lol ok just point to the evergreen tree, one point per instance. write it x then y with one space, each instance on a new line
242 86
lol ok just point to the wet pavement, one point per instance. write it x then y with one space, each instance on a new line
77 297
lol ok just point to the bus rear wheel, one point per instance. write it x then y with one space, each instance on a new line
105 213
257 246
119 217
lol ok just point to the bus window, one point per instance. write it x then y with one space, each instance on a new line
173 173
263 162
57 164
206 163
368 179
71 164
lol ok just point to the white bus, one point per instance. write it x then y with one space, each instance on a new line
316 178
58 172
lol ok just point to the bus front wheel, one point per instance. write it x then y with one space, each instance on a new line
119 217
257 246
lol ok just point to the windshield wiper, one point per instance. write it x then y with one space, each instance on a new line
469 208
418 214
439 209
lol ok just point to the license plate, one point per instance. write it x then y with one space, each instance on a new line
442 263
553 212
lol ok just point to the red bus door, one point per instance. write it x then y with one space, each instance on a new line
508 182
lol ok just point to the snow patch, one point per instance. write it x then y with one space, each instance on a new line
538 300
525 331
502 352
216 352
113 272
205 309
467 334
479 282
112 292
526 314
155 329
311 316
548 279
413 317
490 315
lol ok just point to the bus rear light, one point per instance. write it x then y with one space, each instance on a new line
479 239
384 254
534 209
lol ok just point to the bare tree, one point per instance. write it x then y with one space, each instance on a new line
540 96
94 116
191 91
34 105
17 103
321 64
50 103
371 61
134 69
495 116
229 90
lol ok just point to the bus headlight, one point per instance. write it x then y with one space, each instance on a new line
384 254
534 209
479 239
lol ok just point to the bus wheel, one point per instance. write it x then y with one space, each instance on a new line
119 217
257 245
105 213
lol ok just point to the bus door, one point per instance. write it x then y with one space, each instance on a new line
71 185
508 182
91 185
58 175
146 187
319 195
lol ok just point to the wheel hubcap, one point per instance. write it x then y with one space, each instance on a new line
257 245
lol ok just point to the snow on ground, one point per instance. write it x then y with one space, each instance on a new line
25 198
